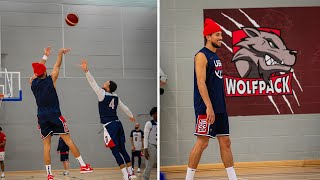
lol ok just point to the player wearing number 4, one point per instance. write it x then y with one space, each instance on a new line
114 137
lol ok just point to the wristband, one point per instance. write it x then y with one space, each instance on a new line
45 57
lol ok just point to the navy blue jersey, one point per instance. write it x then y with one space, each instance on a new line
132 134
46 96
108 108
215 85
62 146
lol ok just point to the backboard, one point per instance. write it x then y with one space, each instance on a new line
10 85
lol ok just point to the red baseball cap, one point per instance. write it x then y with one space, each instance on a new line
38 68
210 27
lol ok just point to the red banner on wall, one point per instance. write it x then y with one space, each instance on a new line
270 59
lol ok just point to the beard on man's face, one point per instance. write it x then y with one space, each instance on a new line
216 45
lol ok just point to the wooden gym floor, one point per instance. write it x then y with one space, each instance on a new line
264 170
98 174
281 173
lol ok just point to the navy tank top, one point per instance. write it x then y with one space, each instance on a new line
46 96
215 85
108 108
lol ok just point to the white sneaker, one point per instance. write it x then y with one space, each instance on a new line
65 173
2 175
132 177
126 177
139 170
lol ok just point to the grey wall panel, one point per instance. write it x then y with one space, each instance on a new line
93 41
27 7
88 35
93 48
136 18
31 19
25 45
99 66
136 48
91 10
35 1
139 42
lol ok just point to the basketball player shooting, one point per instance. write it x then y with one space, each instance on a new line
50 120
114 136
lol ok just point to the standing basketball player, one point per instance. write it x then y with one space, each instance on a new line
209 102
136 136
150 143
2 150
114 136
50 120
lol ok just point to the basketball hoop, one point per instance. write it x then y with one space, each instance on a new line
1 98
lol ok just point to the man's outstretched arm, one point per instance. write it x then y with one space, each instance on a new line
47 52
98 90
57 65
126 110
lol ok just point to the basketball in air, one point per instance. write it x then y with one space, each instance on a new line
72 19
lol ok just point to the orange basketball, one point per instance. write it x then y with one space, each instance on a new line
72 19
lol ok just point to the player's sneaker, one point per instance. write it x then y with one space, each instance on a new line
132 176
50 177
2 175
139 170
126 177
65 173
86 169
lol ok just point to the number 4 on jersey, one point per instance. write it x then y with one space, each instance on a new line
112 103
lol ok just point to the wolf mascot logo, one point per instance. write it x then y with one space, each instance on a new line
263 62
262 54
